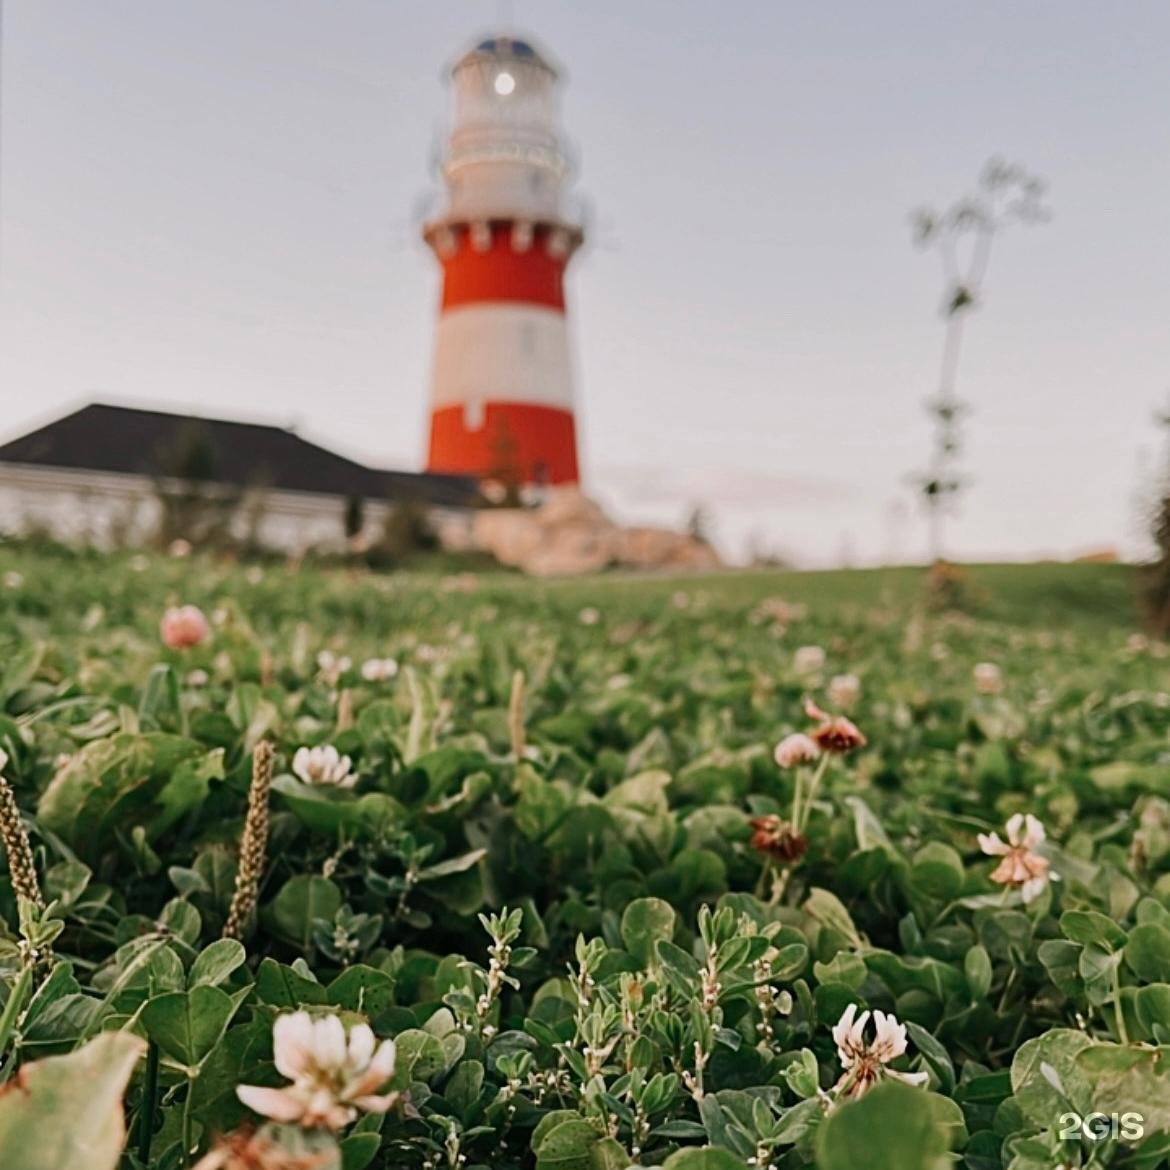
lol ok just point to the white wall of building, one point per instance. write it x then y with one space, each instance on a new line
109 511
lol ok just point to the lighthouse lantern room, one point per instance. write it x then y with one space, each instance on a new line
501 391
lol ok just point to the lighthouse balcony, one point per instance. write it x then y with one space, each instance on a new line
554 234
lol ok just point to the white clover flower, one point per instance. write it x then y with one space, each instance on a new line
843 691
808 659
589 616
332 666
988 678
865 1063
197 678
324 766
1021 868
379 669
795 749
13 579
332 1078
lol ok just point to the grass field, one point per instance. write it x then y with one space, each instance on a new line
1038 595
614 870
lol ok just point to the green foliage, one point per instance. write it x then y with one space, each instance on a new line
582 958
65 1111
893 1127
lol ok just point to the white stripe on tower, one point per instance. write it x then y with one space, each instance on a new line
498 352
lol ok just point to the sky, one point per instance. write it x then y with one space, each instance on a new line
214 206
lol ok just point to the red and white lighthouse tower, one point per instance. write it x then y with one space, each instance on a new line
501 392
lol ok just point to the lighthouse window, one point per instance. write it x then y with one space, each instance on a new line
505 83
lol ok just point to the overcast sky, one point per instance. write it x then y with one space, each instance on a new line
212 204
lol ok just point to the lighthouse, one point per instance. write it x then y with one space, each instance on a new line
502 387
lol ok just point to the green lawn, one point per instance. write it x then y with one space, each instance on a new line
537 836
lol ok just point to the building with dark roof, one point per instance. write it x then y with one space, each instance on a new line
114 474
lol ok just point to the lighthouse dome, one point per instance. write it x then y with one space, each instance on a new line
501 49
506 46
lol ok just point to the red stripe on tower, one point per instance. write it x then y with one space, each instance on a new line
501 390
501 272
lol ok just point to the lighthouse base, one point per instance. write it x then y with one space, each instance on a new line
569 534
517 443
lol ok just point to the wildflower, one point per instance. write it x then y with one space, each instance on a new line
332 666
1137 643
1022 867
844 690
379 669
179 548
247 1149
808 659
13 579
183 626
332 1078
866 1063
834 733
254 575
988 678
254 846
15 844
197 678
589 616
324 766
778 838
795 749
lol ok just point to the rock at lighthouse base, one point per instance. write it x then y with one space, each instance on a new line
569 534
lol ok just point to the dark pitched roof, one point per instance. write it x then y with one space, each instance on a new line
123 439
